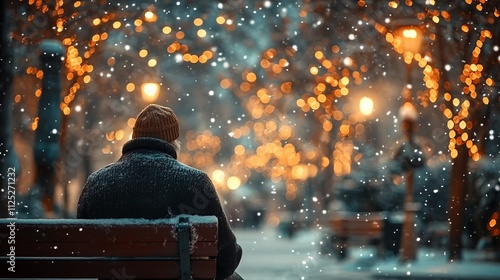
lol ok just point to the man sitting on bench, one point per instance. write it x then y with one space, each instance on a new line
148 182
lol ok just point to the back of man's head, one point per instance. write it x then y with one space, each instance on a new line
158 122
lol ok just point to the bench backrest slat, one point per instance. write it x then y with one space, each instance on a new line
100 249
107 247
39 239
352 225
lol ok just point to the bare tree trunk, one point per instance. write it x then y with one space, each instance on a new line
457 202
458 181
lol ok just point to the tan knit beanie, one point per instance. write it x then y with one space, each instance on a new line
158 122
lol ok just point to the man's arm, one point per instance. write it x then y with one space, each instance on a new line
230 252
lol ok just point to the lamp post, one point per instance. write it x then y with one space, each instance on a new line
409 154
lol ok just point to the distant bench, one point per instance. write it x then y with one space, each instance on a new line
177 248
350 228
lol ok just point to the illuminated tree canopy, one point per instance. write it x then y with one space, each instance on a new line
263 87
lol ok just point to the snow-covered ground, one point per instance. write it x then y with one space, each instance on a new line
267 256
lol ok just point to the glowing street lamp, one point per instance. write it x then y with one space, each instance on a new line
411 36
366 106
364 131
150 91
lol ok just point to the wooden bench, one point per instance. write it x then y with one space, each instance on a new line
349 228
177 248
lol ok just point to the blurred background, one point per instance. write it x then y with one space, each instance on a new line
296 110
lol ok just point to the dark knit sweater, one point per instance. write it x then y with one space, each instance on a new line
148 182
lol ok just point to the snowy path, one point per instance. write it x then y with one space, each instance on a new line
266 256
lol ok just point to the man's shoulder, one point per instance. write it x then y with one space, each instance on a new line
102 171
189 169
143 163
